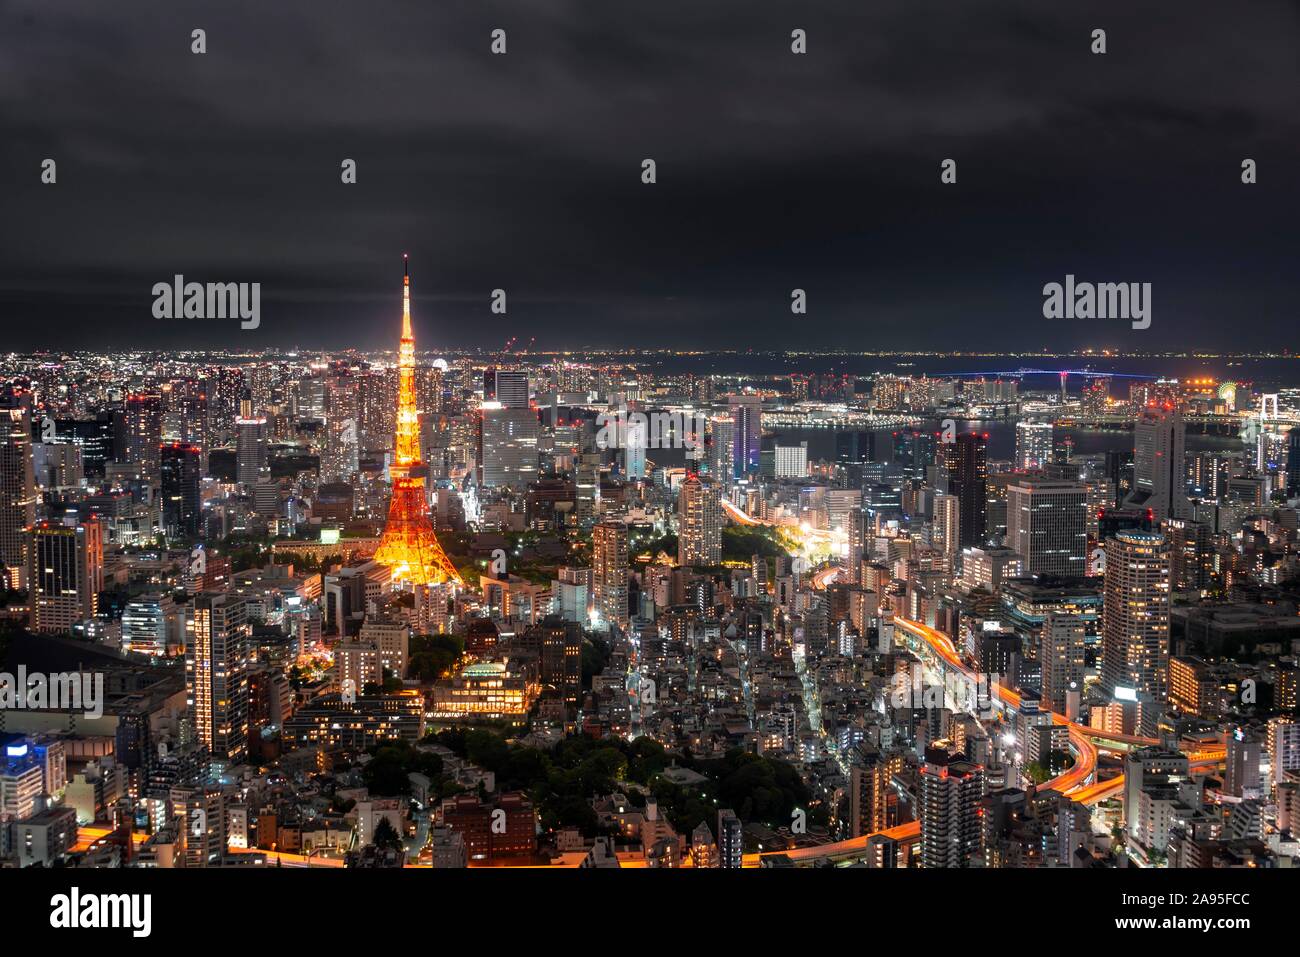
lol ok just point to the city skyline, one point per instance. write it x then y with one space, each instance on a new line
856 439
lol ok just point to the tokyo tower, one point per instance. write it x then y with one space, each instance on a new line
409 546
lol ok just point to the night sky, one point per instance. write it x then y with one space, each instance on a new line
775 171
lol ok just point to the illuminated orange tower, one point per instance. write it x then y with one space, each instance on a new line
409 545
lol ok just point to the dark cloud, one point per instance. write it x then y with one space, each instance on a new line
775 170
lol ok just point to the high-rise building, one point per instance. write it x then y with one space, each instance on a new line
1159 479
747 423
869 798
638 440
721 445
66 574
699 522
150 623
947 524
511 388
1242 776
142 424
509 446
181 504
964 463
17 487
1061 657
1293 462
341 456
251 463
1192 687
217 657
730 839
1135 615
951 791
609 572
1047 525
1033 445
1283 739
791 461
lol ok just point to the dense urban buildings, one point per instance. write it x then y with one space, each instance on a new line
449 593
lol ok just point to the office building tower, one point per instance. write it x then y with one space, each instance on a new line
747 422
96 438
1033 445
638 440
179 489
509 446
947 524
17 487
609 572
915 451
1047 526
66 574
150 624
699 522
988 568
1293 462
217 650
1159 480
1283 740
341 457
721 449
1135 615
791 461
1242 776
251 461
511 388
1061 658
951 791
964 467
586 494
142 424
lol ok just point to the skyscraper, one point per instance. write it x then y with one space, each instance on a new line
1047 525
951 790
699 522
250 451
1061 657
964 462
1033 445
1159 479
509 446
17 487
142 423
179 467
1135 615
747 418
409 546
66 574
511 388
217 648
721 444
638 441
609 572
